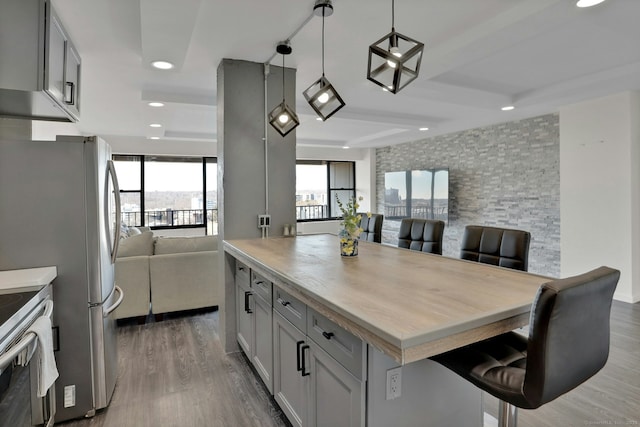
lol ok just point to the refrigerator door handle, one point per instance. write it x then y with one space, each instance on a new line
111 172
107 311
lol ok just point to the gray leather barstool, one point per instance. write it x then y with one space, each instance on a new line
372 227
498 246
421 235
568 343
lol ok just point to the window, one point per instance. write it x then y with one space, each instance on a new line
317 185
168 192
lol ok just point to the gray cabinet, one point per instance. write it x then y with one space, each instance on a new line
40 67
289 384
254 321
311 386
336 398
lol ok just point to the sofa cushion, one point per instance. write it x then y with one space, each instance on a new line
173 245
139 244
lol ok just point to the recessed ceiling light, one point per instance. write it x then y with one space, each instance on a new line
162 65
423 129
346 147
319 119
154 137
155 104
588 3
155 125
508 108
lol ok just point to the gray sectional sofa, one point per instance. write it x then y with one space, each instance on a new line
166 274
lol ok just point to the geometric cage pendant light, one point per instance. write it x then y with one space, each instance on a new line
321 95
394 60
283 118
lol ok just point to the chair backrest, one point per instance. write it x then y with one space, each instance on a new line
372 227
498 246
568 333
421 235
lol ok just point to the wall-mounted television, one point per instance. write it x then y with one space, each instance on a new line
420 193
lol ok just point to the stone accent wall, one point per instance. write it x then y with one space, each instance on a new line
505 175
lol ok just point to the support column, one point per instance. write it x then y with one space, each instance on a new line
247 185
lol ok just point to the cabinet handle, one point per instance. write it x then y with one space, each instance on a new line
298 356
241 268
247 294
284 303
69 93
327 335
304 347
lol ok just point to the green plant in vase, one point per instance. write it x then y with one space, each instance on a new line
350 226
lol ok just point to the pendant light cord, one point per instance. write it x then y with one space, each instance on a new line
323 41
393 15
283 78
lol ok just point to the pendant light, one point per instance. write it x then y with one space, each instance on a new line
283 118
394 60
321 95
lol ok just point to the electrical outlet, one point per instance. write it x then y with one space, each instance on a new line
264 221
394 383
69 396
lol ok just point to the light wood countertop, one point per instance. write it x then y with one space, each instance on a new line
409 305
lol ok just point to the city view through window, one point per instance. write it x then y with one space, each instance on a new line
170 192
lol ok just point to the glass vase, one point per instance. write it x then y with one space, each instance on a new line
348 246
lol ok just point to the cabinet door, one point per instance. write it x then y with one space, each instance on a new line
289 386
336 398
72 81
244 318
55 59
263 343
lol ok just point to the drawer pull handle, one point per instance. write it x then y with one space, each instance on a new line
247 309
299 356
304 347
284 303
327 335
241 268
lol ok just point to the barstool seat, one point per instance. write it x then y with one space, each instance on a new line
568 343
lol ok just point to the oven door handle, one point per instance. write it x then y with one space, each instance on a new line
27 339
8 357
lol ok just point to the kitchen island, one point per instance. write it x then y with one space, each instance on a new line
404 306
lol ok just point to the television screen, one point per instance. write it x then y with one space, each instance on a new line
417 194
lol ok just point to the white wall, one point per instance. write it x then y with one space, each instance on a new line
599 185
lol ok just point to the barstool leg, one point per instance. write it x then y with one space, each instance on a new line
507 415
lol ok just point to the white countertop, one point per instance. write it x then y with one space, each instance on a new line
27 279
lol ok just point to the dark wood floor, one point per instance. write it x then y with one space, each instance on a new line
174 373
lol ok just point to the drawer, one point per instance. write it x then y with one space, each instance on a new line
291 308
345 347
242 274
261 286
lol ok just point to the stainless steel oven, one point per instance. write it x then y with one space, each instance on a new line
20 405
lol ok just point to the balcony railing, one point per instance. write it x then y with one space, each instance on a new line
173 218
312 212
419 211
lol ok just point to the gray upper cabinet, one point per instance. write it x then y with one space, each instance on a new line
40 67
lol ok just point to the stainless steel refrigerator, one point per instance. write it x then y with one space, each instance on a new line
59 205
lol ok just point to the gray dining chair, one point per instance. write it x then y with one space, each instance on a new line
421 235
372 227
497 246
